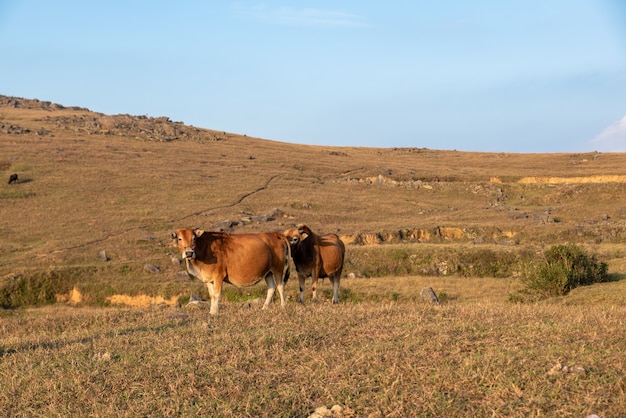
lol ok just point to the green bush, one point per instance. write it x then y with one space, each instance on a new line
466 261
39 289
563 268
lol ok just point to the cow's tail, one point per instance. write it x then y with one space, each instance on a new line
287 254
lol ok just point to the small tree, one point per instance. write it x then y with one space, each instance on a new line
563 268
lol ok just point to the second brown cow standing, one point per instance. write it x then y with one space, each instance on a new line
316 256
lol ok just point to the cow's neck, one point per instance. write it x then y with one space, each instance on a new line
192 269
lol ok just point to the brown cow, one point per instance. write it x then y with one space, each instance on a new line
239 259
317 256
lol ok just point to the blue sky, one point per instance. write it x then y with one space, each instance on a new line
484 75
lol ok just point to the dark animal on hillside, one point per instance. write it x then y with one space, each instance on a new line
239 259
13 178
317 256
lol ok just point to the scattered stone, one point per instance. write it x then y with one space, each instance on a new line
259 218
321 411
351 276
179 316
224 226
194 299
106 356
337 411
102 255
429 295
175 261
151 268
252 302
561 369
182 275
275 213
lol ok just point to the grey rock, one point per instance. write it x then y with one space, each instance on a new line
182 275
429 295
102 255
151 268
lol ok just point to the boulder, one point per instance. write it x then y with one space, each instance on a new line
151 268
429 295
102 255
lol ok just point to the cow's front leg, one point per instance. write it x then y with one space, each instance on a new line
314 288
301 281
215 292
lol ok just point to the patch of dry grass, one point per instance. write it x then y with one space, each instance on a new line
382 351
388 358
81 192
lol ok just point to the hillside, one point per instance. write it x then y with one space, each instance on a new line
90 182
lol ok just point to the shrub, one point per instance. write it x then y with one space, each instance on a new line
563 268
38 289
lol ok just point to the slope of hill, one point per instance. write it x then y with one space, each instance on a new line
90 182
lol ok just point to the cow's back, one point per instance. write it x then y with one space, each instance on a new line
332 252
277 242
281 251
245 258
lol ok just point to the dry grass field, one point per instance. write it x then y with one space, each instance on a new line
88 337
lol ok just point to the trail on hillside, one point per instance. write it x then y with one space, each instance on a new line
230 205
200 212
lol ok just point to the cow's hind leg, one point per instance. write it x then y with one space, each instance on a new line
271 288
280 285
281 292
335 281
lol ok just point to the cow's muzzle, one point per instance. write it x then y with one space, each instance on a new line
189 253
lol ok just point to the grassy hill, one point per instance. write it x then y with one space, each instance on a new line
462 223
90 182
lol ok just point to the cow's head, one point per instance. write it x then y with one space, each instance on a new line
297 235
185 240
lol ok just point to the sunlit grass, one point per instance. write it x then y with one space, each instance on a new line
383 351
386 357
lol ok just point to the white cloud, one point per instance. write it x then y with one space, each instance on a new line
304 16
612 138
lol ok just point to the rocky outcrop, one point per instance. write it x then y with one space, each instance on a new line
437 234
160 129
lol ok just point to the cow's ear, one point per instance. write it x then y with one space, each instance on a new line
197 232
304 230
174 241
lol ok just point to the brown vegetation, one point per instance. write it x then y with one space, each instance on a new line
461 223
